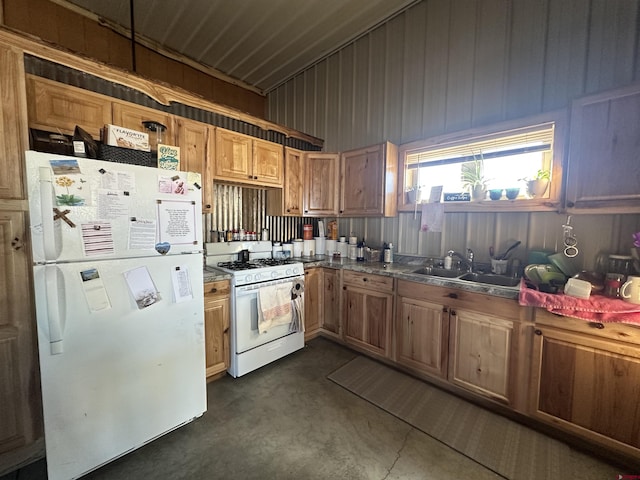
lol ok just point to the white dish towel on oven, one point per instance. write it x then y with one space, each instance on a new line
274 306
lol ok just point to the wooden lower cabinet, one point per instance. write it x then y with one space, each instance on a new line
312 302
587 380
421 334
216 327
469 339
480 347
331 301
367 308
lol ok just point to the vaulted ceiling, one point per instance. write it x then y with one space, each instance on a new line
259 43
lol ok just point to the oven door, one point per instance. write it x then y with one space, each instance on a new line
245 316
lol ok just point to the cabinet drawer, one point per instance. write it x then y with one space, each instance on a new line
612 331
216 290
366 280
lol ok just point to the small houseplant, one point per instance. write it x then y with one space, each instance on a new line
413 194
537 186
473 178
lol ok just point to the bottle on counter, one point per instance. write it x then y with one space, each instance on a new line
360 251
448 260
388 253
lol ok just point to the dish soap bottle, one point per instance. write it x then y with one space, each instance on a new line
448 260
388 253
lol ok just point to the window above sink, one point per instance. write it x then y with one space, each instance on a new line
506 155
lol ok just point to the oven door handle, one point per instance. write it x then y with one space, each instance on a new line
249 289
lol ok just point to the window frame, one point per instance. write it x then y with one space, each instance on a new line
551 202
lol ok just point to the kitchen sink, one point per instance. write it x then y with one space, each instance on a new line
439 272
491 279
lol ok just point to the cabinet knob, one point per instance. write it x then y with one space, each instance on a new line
250 176
16 243
452 295
597 325
213 290
571 204
364 279
288 210
255 177
207 206
453 312
445 309
344 288
537 331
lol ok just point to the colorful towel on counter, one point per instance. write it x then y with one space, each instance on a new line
597 308
274 306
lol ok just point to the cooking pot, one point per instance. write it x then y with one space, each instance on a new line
243 256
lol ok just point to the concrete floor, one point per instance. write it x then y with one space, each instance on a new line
287 421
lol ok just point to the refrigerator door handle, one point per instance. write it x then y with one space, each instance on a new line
46 210
55 313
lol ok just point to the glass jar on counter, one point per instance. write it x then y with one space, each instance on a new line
618 268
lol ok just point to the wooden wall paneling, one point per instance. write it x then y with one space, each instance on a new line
377 85
613 38
526 57
346 86
175 72
42 19
566 55
393 80
361 89
150 64
96 41
69 35
413 72
489 77
460 79
436 65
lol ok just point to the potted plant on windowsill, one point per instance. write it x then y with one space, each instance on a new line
537 186
473 178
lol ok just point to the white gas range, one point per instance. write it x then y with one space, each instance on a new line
260 285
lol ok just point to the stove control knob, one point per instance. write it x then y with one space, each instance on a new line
274 274
289 272
248 279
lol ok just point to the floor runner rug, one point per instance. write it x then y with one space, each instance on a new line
512 450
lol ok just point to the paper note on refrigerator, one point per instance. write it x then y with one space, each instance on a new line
113 204
94 291
97 238
181 284
142 287
177 222
142 234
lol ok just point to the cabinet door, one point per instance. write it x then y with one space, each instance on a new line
58 107
233 156
195 142
268 163
312 301
480 353
13 123
589 385
130 115
603 166
289 201
321 184
331 300
362 182
422 332
216 327
367 317
20 414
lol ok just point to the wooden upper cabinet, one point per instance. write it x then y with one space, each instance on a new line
244 159
13 123
268 161
196 142
130 115
321 186
603 166
369 178
289 201
57 107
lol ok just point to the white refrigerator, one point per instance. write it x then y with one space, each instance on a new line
117 252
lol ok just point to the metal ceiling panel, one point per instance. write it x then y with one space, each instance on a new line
261 43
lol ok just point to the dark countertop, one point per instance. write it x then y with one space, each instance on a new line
404 271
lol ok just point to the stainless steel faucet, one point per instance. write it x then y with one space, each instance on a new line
468 260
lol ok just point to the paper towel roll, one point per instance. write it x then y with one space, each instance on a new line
309 248
320 245
353 240
353 252
330 247
297 247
